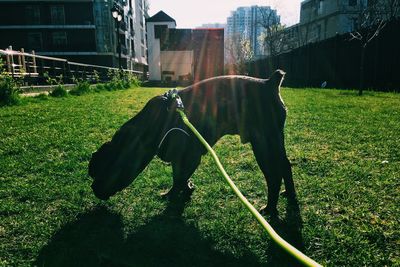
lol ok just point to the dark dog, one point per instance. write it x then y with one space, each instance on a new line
218 106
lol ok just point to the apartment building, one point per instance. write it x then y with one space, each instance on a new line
249 23
78 30
212 26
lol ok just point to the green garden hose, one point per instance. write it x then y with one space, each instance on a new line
279 240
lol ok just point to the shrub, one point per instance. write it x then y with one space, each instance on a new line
121 80
133 81
100 87
129 80
119 85
42 96
9 89
109 86
59 91
114 84
82 87
96 77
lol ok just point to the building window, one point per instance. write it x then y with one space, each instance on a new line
131 27
59 39
352 2
57 15
35 40
353 25
32 15
320 7
142 51
133 48
159 31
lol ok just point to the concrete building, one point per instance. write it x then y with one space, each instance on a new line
323 19
78 30
212 26
182 55
248 23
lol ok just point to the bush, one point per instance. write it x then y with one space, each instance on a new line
129 80
82 87
120 81
100 87
114 85
134 81
9 91
109 86
42 96
59 91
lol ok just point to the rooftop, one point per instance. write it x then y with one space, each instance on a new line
160 17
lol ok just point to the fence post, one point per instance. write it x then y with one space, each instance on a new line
23 59
19 63
12 60
69 72
8 60
64 72
34 62
53 69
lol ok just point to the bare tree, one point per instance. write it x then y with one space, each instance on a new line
238 53
390 9
273 39
370 23
273 36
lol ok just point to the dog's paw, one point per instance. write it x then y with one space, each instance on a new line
175 193
169 193
288 195
267 211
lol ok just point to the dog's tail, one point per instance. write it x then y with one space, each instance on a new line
276 79
274 84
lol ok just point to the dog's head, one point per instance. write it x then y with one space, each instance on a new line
118 162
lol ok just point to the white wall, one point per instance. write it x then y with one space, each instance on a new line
154 50
179 62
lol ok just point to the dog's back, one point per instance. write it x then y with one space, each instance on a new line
235 105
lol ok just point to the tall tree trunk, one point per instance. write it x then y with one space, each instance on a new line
362 60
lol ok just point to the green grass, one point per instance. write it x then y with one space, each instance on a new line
345 152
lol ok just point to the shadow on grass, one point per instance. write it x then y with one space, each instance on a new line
97 239
289 228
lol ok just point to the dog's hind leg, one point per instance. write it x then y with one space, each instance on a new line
182 169
290 192
269 158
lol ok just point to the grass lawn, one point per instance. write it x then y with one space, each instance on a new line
345 152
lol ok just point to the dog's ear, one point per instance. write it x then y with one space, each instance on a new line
118 162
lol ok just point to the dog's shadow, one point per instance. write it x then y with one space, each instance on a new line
289 228
97 239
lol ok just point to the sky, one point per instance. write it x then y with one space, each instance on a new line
194 13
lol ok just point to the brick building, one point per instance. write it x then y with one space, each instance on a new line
78 30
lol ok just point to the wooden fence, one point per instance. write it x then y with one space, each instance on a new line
35 69
336 62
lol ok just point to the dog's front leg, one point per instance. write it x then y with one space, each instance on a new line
182 169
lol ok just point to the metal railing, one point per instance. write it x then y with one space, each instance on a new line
35 69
